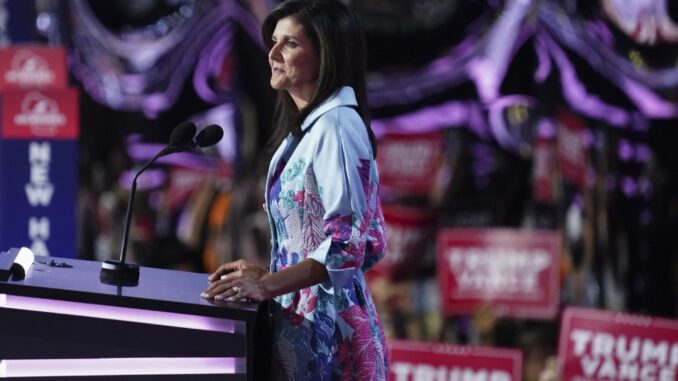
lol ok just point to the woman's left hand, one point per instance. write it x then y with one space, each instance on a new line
237 288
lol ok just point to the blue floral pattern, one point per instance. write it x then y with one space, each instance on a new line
323 204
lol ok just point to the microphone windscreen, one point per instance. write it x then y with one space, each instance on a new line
182 134
209 136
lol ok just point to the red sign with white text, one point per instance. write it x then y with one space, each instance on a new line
410 232
408 162
570 148
419 361
40 114
32 66
606 345
515 271
543 171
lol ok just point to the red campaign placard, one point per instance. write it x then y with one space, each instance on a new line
409 231
544 160
606 345
40 114
419 361
516 271
32 66
408 162
570 147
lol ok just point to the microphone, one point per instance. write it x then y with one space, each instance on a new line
181 137
119 272
209 136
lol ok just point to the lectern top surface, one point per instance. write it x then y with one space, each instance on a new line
161 289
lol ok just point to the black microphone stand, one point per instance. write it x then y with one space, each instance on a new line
120 272
127 274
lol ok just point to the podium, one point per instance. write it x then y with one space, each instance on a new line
61 322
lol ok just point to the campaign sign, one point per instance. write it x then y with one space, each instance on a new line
408 162
38 195
421 361
409 233
515 271
38 171
543 170
32 66
40 114
605 345
570 148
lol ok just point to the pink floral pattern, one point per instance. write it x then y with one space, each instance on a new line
363 349
323 205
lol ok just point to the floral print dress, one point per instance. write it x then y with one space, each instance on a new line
322 204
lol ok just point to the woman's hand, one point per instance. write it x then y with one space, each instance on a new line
236 270
236 281
240 280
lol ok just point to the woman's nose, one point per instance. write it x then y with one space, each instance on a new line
274 53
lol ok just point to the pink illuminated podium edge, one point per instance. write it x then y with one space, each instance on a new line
62 321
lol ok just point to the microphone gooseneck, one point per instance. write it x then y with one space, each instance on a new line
119 272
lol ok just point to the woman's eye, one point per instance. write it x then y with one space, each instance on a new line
292 44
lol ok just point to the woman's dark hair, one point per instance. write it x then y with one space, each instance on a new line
338 38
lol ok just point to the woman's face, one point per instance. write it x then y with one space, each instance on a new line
294 61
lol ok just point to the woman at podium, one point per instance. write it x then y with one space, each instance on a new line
321 196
